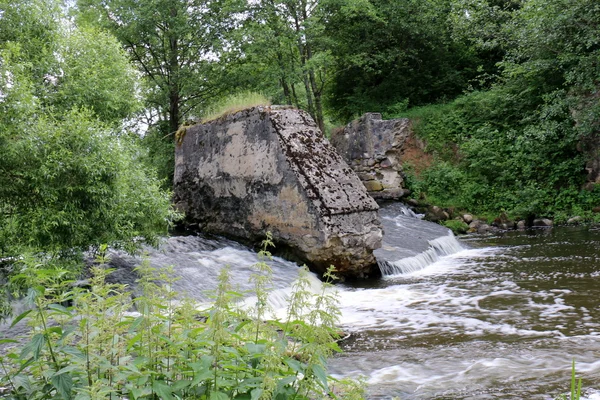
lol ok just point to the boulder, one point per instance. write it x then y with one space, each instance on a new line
521 224
436 214
475 224
542 222
269 169
575 220
468 218
375 146
484 228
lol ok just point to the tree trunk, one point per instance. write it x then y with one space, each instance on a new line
174 95
316 93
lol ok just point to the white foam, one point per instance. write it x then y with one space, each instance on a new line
442 246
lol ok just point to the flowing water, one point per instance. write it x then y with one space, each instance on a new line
491 317
483 317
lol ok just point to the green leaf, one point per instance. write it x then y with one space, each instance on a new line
55 329
66 369
256 393
137 393
295 365
136 323
60 309
163 390
63 383
286 381
22 381
34 346
181 384
20 317
3 341
321 375
218 396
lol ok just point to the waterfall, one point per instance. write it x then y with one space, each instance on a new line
442 246
409 243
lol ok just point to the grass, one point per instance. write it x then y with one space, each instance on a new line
575 386
233 104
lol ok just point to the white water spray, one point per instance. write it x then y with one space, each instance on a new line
442 246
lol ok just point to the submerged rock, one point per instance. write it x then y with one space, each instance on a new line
270 169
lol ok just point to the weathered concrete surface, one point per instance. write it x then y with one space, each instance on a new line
270 169
374 149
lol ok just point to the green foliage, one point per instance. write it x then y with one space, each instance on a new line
70 184
172 348
234 103
387 52
96 74
504 150
70 177
456 226
173 45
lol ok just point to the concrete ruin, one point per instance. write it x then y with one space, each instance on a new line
373 147
269 169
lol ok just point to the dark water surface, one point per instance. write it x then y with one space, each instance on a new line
501 319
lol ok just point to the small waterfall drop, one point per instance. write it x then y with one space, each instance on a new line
442 246
409 243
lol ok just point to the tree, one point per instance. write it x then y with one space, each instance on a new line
280 47
173 43
69 177
387 52
96 74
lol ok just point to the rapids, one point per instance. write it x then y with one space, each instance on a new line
480 317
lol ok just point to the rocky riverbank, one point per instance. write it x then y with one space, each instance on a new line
463 222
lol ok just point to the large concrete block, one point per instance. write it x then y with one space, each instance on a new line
270 169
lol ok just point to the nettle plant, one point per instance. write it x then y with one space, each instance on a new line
88 343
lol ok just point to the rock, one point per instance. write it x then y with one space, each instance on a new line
436 214
373 186
468 218
366 176
475 224
574 220
386 163
521 224
596 210
269 169
376 144
542 222
483 228
392 194
413 202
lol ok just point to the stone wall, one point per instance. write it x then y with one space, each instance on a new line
374 149
270 169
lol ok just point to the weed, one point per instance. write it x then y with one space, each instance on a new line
169 348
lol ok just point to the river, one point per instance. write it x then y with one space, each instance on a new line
496 316
501 318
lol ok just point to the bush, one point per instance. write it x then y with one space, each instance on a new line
171 348
456 226
502 151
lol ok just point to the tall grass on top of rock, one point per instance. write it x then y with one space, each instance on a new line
172 348
233 104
